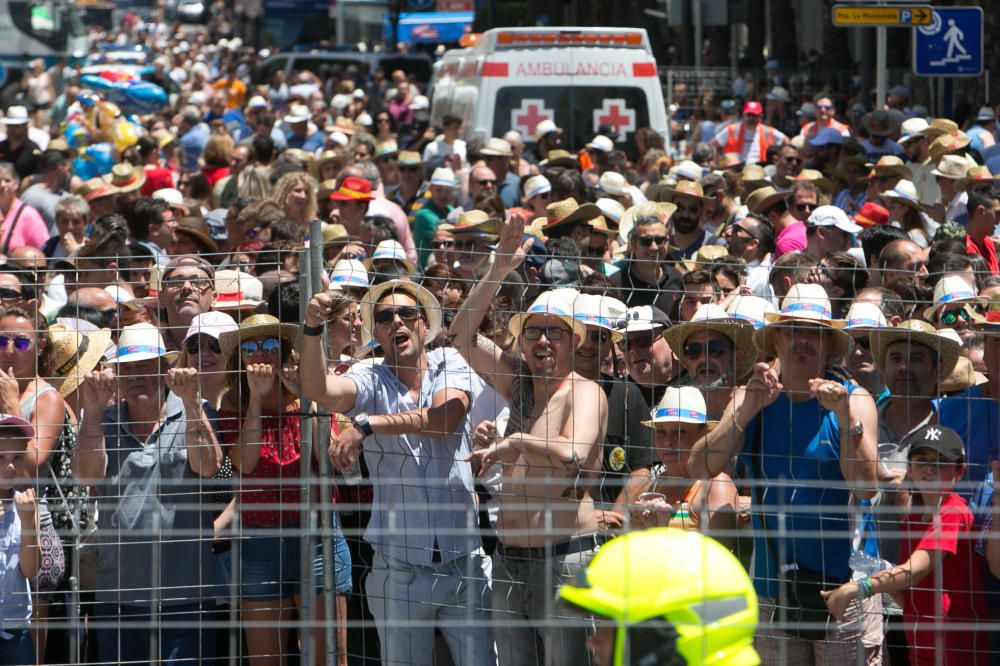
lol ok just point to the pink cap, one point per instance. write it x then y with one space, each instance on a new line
754 108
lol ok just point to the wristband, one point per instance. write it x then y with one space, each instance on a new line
313 330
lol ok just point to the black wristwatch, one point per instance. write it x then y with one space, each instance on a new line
361 421
312 330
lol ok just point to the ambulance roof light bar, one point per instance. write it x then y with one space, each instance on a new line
574 37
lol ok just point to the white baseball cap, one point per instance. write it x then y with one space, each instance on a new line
831 216
602 143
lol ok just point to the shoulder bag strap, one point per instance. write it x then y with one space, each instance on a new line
10 231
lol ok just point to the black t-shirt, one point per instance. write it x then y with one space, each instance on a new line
628 444
24 158
636 292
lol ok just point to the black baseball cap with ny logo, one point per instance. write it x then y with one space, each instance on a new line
945 441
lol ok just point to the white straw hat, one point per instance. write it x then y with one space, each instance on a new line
142 342
557 303
680 404
949 289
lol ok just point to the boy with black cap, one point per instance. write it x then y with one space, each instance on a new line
941 574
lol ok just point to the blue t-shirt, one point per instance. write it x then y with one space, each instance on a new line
801 480
976 419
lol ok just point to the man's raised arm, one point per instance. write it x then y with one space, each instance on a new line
330 391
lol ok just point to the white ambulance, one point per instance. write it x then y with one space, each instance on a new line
581 78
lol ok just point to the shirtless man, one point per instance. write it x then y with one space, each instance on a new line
548 528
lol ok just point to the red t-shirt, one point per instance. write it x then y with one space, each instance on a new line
214 174
269 495
157 178
958 594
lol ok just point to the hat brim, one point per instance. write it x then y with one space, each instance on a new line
518 320
140 180
170 357
97 343
583 213
409 265
930 313
768 201
763 337
424 298
230 340
709 425
669 194
739 331
915 205
242 304
336 196
203 238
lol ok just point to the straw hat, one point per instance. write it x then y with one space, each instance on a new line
386 148
752 309
753 177
410 158
236 290
660 209
879 123
890 165
125 177
557 303
196 228
804 304
764 198
863 317
962 377
495 147
600 225
477 221
989 321
257 326
688 170
976 175
919 332
96 188
905 192
681 404
74 354
390 250
349 273
544 127
444 177
601 311
706 254
940 126
949 289
567 211
729 161
711 317
336 234
560 158
141 342
688 189
536 185
816 178
611 210
613 182
424 298
954 167
948 143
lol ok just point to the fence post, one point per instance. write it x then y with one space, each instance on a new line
307 589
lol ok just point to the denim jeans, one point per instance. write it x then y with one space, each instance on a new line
182 639
527 626
408 601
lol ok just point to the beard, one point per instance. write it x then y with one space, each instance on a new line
685 225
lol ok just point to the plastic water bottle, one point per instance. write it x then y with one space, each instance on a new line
864 563
352 475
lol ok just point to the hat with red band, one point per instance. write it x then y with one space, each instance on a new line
353 189
871 214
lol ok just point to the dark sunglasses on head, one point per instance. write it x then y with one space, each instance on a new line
407 313
21 343
716 348
646 241
599 336
194 345
553 333
949 318
8 294
269 345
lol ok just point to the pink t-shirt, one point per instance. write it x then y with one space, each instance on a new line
31 229
790 239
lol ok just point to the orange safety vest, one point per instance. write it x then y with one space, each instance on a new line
734 142
811 129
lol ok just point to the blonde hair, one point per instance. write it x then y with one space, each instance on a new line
254 182
219 150
287 183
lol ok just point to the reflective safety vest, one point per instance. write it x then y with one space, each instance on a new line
734 140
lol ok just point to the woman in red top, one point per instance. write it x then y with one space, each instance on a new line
260 417
940 582
217 156
158 177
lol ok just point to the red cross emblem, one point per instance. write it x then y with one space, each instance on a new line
616 114
526 118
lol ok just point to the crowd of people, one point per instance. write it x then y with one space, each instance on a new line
788 340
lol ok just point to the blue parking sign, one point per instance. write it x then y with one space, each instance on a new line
952 45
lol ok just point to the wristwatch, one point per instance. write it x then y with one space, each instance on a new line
361 421
857 429
312 330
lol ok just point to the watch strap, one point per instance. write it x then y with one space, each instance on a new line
313 330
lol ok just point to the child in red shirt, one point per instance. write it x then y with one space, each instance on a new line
939 583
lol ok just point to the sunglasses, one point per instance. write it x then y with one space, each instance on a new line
552 333
21 343
596 251
599 337
805 206
641 340
408 313
109 315
194 345
823 107
647 241
268 345
863 342
486 181
693 350
197 283
738 229
8 294
440 244
949 318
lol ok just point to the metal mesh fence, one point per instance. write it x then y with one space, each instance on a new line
209 525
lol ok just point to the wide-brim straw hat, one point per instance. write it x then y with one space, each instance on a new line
711 317
805 304
705 255
602 311
989 321
905 193
126 178
817 178
763 198
196 228
950 289
892 166
74 354
683 189
948 143
976 175
962 377
236 290
916 332
424 298
560 158
879 123
257 326
660 209
141 342
478 222
568 211
554 303
680 404
389 250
